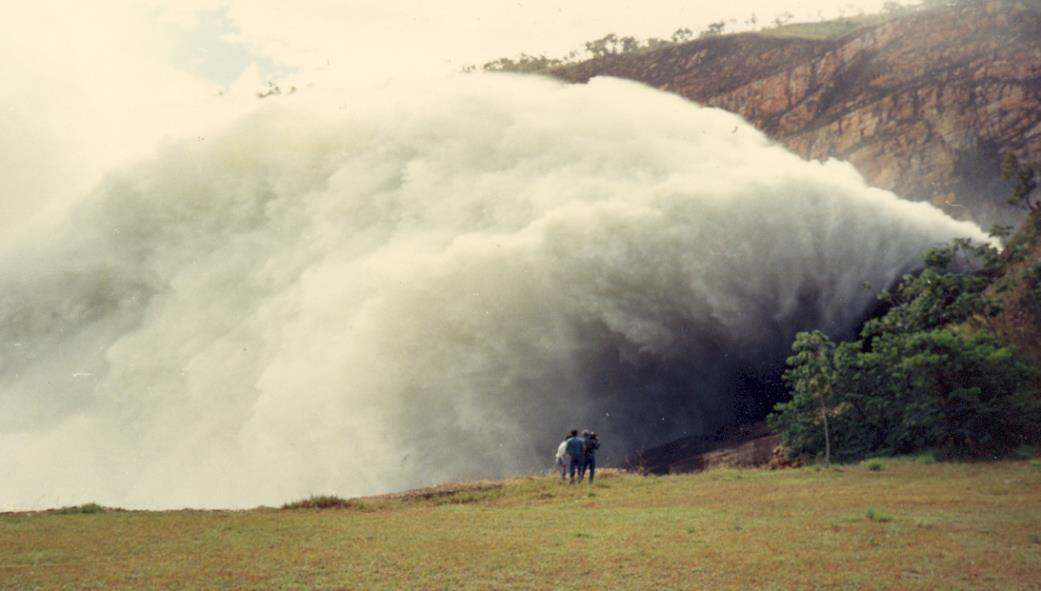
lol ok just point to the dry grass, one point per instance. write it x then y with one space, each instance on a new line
912 525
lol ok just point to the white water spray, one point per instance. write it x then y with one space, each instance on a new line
364 295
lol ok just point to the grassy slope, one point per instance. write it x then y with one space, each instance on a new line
935 526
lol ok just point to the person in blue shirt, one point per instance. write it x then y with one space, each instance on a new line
576 449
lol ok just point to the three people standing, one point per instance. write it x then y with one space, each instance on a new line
580 451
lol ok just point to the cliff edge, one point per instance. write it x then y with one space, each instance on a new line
924 104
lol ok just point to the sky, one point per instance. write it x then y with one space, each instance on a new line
90 87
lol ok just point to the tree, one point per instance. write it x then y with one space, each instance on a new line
523 63
811 377
606 45
503 64
1024 179
963 394
1001 232
714 30
682 35
783 19
629 44
952 288
927 374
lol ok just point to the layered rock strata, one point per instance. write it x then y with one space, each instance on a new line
924 104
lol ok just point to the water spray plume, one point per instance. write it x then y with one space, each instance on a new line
423 285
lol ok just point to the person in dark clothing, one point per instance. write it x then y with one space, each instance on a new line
589 457
576 449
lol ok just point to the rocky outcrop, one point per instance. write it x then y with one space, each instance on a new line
924 104
735 446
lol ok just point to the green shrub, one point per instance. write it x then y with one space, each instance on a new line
874 465
86 508
878 516
929 456
326 502
1026 452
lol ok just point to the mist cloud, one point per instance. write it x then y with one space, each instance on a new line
361 294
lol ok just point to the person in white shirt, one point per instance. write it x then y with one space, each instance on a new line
562 455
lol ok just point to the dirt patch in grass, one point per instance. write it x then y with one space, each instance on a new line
736 446
442 491
327 502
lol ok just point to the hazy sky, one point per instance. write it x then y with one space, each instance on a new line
366 35
89 86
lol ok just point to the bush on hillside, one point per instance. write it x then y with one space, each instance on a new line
86 508
962 394
927 374
325 502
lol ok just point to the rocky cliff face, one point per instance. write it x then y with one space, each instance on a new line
924 104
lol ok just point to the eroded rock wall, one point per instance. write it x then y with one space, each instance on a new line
924 104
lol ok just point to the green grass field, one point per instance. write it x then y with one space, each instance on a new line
890 524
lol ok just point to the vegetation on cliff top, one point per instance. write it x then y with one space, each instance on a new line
780 26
